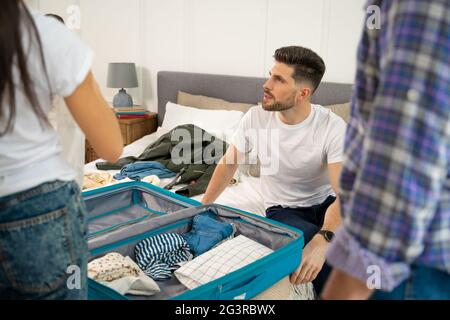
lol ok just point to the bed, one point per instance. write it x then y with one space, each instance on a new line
245 194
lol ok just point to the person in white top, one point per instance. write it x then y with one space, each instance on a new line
300 147
43 223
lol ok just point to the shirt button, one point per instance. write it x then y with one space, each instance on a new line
413 95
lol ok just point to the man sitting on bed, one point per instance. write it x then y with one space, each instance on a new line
306 155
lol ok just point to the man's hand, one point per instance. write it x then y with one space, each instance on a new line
313 259
206 202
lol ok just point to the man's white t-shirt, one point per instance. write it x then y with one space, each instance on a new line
31 154
294 158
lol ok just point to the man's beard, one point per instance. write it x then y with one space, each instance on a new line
279 106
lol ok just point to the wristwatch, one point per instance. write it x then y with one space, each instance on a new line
328 235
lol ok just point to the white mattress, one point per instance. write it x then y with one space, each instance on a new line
245 195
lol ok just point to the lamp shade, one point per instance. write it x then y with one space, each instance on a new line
122 75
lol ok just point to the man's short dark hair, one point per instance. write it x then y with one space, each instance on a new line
308 66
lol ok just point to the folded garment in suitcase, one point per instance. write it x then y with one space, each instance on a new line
123 215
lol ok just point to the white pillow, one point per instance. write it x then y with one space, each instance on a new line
215 122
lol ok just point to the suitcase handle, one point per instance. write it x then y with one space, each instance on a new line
240 291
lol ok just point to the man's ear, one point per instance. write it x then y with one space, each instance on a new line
304 93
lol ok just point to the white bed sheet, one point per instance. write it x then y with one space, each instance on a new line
245 195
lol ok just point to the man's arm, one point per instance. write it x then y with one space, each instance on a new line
225 170
333 215
349 287
315 252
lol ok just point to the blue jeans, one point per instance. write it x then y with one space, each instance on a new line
310 221
206 233
424 284
43 232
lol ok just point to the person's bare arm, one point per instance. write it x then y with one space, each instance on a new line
341 286
225 170
332 219
96 119
314 254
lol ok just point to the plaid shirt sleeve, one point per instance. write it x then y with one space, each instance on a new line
395 174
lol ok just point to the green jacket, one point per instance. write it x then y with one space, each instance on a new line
173 152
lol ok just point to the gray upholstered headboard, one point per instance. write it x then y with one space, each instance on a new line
233 89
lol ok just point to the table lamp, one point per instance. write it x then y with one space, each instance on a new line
120 76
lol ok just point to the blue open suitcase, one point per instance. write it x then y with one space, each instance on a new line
122 215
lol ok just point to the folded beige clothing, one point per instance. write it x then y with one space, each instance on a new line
111 267
97 180
284 290
122 274
280 291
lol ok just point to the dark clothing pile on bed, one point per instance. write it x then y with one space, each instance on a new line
196 170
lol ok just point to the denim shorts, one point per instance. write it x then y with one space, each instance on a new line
43 243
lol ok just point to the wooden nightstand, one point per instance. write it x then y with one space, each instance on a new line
132 130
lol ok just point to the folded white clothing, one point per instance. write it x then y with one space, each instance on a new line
138 286
220 261
154 180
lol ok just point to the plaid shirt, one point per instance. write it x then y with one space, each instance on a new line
395 181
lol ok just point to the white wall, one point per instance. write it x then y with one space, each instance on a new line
113 29
235 37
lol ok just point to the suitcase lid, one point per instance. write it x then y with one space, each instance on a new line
124 204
